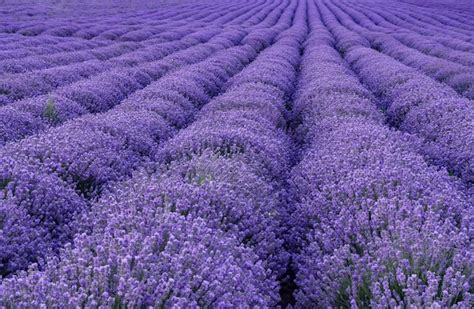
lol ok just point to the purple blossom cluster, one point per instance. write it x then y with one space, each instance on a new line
145 258
413 102
413 36
236 154
83 155
34 63
459 76
90 152
47 46
105 90
373 225
260 288
109 83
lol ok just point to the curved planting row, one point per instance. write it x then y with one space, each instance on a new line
101 91
248 154
401 26
39 62
413 102
433 48
405 22
49 47
213 177
43 45
373 224
103 53
17 87
170 30
457 76
107 89
89 27
18 43
49 178
438 19
429 24
375 19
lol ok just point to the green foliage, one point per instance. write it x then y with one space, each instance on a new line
50 112
4 183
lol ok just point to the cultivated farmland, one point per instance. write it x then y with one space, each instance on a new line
237 154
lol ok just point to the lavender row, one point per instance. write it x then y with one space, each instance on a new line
237 153
14 42
26 85
49 48
46 44
65 29
263 6
32 63
84 156
373 225
442 19
175 22
255 284
438 116
20 86
423 19
17 87
443 23
461 8
144 259
457 76
433 48
210 186
427 24
70 27
98 93
127 24
107 89
436 49
259 9
129 33
396 20
370 19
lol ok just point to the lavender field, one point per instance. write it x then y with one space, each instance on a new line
237 154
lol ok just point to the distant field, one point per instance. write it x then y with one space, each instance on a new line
237 154
449 4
